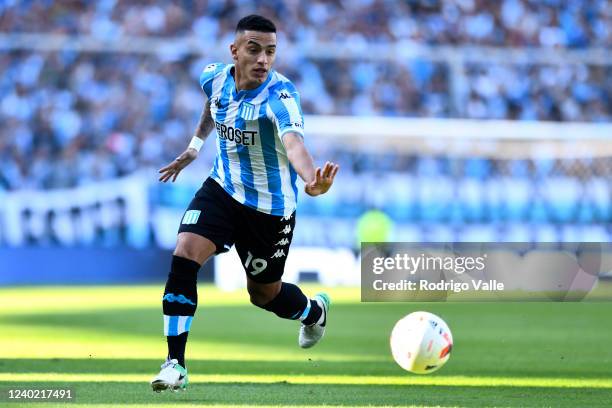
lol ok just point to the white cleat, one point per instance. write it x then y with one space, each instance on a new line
172 377
310 335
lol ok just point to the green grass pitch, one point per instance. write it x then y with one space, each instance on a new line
106 343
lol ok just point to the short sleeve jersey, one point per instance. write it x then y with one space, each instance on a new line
251 163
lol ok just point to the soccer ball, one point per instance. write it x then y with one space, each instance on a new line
421 342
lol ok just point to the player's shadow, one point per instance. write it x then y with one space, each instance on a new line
492 340
204 367
245 327
353 345
289 369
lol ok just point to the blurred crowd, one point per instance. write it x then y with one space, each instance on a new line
107 114
72 117
572 92
515 23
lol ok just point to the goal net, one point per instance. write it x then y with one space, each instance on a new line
469 180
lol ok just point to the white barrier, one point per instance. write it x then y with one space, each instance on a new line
73 216
331 267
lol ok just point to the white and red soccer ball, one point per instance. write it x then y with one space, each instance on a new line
421 342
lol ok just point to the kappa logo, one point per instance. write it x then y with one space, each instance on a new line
286 218
282 242
171 297
279 253
286 230
284 95
216 101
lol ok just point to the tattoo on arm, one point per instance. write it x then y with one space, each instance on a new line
206 123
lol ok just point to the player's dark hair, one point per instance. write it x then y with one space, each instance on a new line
254 22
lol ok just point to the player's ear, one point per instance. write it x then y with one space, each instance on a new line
234 51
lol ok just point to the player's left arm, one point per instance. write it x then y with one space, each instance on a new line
317 181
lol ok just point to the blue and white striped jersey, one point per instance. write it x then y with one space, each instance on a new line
251 163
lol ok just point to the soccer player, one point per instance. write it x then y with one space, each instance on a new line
249 199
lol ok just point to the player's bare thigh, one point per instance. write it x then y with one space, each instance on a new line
194 247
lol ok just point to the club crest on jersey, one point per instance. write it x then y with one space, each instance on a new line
247 111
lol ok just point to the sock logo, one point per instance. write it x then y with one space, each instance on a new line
170 297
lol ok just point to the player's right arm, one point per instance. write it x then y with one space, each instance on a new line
205 126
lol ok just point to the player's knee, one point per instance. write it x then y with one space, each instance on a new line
259 299
186 252
194 247
261 295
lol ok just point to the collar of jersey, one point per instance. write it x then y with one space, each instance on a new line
246 92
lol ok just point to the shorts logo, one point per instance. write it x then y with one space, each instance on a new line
191 217
247 111
286 218
282 242
286 230
279 253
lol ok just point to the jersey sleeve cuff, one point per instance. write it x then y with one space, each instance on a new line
294 130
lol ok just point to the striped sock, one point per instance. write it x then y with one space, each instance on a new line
179 304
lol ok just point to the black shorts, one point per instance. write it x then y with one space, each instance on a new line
262 240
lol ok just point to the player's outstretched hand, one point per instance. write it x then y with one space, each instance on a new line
323 179
172 170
